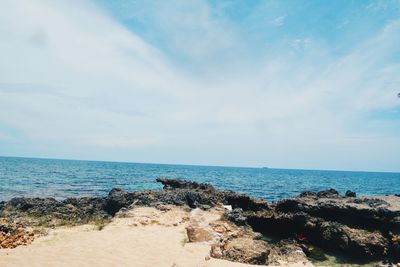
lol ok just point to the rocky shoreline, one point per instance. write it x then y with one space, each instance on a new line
364 228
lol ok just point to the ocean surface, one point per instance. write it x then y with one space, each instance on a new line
60 179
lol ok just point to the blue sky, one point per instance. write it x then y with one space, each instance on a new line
295 84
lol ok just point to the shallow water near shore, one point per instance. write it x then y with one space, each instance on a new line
334 261
324 258
30 177
320 257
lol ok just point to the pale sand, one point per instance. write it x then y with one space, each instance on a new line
143 237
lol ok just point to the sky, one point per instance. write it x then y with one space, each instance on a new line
285 84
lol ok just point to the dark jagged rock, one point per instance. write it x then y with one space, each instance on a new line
358 227
368 213
183 184
88 206
35 206
350 193
288 249
244 201
331 193
236 216
74 210
117 199
308 194
331 235
176 192
199 195
372 202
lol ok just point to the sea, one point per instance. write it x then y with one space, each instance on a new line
34 177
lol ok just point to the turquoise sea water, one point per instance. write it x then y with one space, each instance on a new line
68 178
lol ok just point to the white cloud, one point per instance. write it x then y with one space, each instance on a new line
278 21
76 83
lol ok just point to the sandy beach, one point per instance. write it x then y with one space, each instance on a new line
142 236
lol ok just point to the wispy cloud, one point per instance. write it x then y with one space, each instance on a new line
278 21
193 87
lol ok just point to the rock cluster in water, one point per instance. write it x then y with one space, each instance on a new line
363 227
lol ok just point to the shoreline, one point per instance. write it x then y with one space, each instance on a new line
361 226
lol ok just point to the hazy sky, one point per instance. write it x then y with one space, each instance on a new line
295 84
